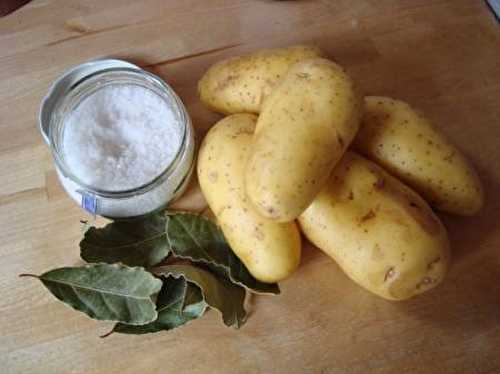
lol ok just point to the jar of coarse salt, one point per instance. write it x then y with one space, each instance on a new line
121 139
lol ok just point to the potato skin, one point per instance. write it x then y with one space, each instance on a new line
304 128
380 232
270 250
240 84
406 144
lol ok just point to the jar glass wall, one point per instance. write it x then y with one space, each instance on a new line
68 92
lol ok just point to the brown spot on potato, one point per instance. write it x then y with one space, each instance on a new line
302 75
391 273
377 253
213 176
425 282
433 263
241 131
222 84
271 211
449 157
424 217
258 233
370 215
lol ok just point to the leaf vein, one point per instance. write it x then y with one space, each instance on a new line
79 286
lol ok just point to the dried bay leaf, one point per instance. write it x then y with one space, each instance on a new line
136 242
178 303
188 251
105 292
198 239
218 293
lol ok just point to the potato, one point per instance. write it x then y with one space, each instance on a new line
379 231
240 84
304 128
270 250
406 144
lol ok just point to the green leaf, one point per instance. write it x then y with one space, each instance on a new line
218 293
137 242
178 303
105 292
198 239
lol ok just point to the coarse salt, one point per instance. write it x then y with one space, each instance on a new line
120 137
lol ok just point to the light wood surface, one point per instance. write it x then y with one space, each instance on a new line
442 56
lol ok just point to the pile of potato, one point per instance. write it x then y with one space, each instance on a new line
301 147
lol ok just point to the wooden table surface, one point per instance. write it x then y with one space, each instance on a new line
442 56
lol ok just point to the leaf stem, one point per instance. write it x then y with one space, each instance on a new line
29 275
107 334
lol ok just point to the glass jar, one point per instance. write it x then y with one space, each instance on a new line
68 92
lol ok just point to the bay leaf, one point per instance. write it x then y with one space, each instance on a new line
105 292
178 303
136 242
198 239
218 293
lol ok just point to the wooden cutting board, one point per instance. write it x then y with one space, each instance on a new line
442 56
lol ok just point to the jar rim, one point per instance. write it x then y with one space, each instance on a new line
87 82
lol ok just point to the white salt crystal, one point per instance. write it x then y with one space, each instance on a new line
120 137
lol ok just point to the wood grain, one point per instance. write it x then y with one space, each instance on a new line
442 56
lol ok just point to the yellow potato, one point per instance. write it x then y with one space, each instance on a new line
380 232
270 250
304 128
240 84
406 144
